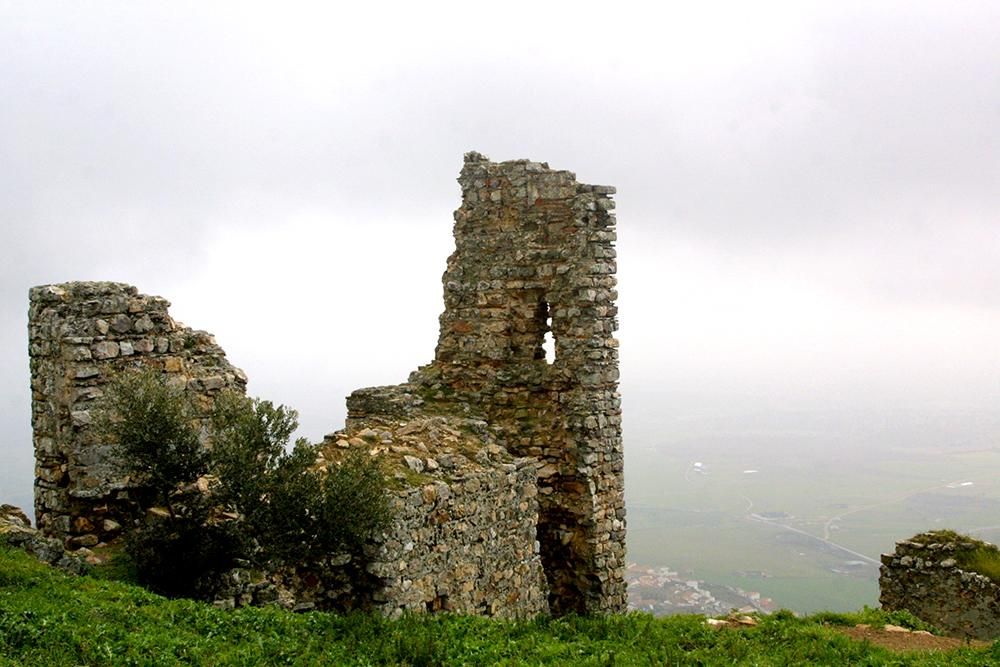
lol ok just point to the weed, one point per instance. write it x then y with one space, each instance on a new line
985 560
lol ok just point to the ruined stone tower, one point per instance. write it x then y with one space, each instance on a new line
507 462
534 255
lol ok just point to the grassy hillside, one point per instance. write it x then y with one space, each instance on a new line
47 618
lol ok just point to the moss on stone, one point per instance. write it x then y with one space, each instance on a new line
970 554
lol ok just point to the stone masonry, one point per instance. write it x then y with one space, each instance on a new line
465 511
16 531
924 576
466 515
80 334
506 465
534 256
462 537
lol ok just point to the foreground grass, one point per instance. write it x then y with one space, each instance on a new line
47 618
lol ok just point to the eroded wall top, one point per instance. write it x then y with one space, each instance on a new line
534 253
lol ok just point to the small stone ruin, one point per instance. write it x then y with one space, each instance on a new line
924 576
505 458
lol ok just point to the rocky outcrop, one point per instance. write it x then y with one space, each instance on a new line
924 575
16 530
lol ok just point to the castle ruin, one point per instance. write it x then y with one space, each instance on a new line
507 459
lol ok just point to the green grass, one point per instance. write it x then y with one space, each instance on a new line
985 560
875 618
48 618
946 536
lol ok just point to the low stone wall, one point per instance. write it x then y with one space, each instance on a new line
463 537
923 577
80 335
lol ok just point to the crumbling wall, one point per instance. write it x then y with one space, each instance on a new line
464 534
80 334
462 538
16 531
534 256
923 576
465 511
507 465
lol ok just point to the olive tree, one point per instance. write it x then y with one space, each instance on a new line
267 503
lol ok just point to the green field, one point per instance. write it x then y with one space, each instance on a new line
697 519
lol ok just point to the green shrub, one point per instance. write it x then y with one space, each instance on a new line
287 511
180 557
155 441
296 513
151 426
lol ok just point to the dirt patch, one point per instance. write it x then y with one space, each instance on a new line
900 639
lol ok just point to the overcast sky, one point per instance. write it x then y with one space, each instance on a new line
807 192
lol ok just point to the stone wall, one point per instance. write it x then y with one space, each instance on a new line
462 538
80 334
507 465
923 576
16 531
466 514
534 256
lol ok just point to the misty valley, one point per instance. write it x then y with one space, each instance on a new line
764 510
